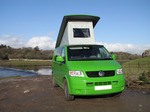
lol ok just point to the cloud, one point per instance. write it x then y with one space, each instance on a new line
45 42
6 36
130 48
13 42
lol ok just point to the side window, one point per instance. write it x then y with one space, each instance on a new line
57 52
63 53
81 32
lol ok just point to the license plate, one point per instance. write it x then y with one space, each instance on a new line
103 87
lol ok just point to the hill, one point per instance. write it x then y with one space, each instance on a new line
7 52
125 56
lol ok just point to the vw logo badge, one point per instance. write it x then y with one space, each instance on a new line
101 73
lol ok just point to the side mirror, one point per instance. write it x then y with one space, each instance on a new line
114 57
59 59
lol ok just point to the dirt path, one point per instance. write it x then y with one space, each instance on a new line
36 94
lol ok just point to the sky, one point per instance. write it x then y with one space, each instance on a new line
124 25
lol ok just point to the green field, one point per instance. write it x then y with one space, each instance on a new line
130 67
24 64
137 66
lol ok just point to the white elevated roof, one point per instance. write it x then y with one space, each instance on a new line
77 29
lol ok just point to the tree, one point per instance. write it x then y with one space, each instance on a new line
36 48
7 52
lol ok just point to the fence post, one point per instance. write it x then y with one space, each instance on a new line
129 68
138 66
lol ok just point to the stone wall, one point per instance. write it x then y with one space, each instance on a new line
146 53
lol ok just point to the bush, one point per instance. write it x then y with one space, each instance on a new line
144 79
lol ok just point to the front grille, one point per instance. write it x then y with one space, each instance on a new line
102 83
96 73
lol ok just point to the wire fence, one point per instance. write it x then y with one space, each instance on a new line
136 68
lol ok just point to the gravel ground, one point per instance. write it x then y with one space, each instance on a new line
37 94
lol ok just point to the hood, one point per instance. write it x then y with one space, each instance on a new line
93 65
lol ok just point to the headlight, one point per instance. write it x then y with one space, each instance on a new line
76 73
119 71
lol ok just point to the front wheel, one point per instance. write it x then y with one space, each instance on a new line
67 94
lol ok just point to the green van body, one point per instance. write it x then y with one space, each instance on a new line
89 76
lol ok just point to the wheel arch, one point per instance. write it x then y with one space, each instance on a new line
68 83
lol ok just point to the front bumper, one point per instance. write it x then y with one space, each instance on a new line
87 86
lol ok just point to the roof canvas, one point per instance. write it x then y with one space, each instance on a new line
67 18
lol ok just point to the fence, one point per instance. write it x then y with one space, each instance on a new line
136 68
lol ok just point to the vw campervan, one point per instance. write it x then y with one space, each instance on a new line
80 66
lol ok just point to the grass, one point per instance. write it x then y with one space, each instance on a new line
24 64
137 66
10 77
121 62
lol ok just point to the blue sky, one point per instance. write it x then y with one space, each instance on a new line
124 24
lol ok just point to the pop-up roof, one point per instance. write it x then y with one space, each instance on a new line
77 29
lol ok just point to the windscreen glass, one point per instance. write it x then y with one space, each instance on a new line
81 53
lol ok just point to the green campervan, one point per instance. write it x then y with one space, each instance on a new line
80 66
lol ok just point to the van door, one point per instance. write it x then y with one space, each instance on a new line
62 67
56 68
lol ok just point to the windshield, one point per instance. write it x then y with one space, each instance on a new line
93 52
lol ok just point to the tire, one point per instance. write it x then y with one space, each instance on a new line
68 97
54 83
